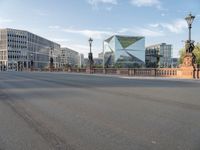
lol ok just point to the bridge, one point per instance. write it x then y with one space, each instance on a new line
79 111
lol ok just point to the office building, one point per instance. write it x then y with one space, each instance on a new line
22 50
175 62
98 62
127 51
69 57
159 55
81 60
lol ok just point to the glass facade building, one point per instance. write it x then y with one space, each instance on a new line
126 51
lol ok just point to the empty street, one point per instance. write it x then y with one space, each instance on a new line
63 111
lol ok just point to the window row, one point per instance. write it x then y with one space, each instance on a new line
3 57
17 41
17 36
16 46
14 52
17 57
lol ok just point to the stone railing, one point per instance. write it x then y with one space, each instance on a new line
167 72
151 72
143 72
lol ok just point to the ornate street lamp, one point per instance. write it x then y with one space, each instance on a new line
90 57
190 19
190 58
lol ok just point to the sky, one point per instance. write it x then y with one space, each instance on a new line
71 22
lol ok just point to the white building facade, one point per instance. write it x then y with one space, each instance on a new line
81 61
22 50
69 57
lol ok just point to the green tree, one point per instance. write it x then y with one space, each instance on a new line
196 52
182 53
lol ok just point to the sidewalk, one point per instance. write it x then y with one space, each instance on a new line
138 77
161 78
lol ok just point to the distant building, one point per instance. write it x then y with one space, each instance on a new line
21 49
159 55
98 61
127 51
100 55
81 60
86 62
69 57
175 62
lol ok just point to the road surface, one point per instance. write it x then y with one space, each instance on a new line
59 111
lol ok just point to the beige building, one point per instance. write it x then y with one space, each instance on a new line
69 57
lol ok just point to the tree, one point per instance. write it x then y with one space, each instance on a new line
196 52
182 53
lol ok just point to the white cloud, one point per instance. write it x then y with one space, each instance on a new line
96 2
163 14
124 30
6 23
109 8
148 32
176 27
147 3
40 12
54 27
79 47
59 40
142 32
89 33
4 20
107 3
96 34
154 25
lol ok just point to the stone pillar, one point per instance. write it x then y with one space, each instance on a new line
188 68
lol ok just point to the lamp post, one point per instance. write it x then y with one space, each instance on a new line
90 57
51 61
190 19
189 44
31 62
103 55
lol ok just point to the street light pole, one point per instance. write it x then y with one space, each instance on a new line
103 56
190 18
90 57
189 45
51 61
31 64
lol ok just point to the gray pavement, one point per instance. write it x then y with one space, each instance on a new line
59 111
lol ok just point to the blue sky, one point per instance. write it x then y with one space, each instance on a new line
72 22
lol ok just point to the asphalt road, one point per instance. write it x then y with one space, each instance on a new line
59 111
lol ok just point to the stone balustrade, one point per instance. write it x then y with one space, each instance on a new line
151 72
143 72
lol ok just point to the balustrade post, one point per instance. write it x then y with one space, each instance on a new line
155 72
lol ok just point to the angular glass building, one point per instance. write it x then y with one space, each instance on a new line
128 51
